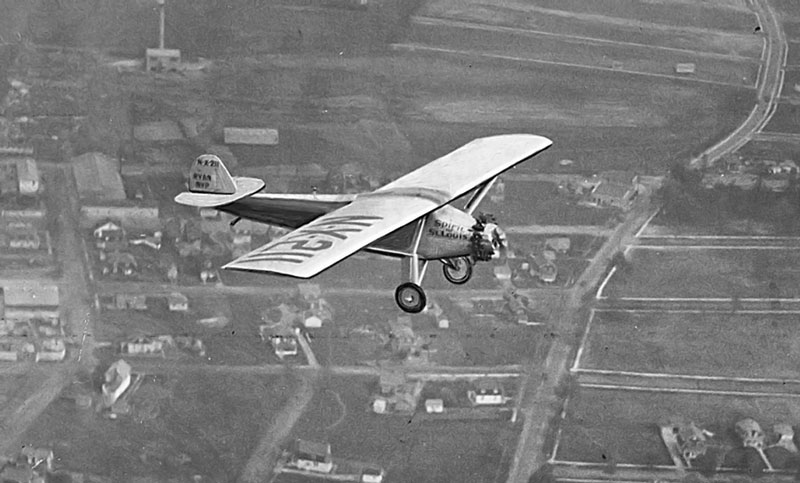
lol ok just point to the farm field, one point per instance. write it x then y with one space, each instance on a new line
228 327
559 19
179 426
623 425
708 344
410 449
785 120
542 47
360 335
703 273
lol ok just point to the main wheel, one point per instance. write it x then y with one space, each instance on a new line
457 270
410 297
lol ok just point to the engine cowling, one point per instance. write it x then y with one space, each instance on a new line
488 240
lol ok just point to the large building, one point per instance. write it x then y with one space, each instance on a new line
98 177
26 301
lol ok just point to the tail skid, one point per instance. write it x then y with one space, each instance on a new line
211 185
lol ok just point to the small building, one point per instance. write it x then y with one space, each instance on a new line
123 301
162 60
372 474
142 346
487 392
434 406
25 241
108 230
284 345
8 352
27 176
258 136
152 241
51 350
37 458
685 68
311 456
612 195
177 302
31 300
117 380
751 434
118 262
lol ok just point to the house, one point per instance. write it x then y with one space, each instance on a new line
751 433
177 302
152 241
487 392
119 262
612 195
108 231
783 435
8 352
434 406
691 440
311 456
51 350
162 59
117 380
37 458
620 177
142 346
27 176
25 241
284 345
372 474
30 300
124 301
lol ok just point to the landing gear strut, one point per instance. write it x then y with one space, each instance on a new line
457 270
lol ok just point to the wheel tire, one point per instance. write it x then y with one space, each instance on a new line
410 298
452 275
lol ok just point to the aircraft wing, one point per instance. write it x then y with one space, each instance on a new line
334 236
471 165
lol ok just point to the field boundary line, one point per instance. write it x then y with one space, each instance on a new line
599 295
691 377
690 391
584 340
713 247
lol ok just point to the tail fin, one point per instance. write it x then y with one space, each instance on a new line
209 175
211 185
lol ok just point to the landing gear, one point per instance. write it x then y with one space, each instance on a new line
410 297
457 270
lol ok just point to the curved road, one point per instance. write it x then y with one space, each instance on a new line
768 87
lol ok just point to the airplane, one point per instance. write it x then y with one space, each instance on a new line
411 218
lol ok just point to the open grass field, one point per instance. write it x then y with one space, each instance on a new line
710 344
234 340
730 225
409 449
786 118
542 47
360 335
708 273
792 61
179 426
624 425
609 26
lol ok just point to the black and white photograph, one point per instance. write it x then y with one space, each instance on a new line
399 241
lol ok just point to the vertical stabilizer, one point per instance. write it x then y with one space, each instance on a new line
209 175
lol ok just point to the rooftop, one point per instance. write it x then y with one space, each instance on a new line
31 295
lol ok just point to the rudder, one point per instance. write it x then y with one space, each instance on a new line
209 175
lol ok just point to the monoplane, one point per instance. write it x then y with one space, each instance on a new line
411 218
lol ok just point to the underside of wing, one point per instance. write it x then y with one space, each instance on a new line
471 165
314 247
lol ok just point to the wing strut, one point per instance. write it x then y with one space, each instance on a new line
479 195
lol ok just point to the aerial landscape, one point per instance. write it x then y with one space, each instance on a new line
593 209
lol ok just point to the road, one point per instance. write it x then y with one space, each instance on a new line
768 87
